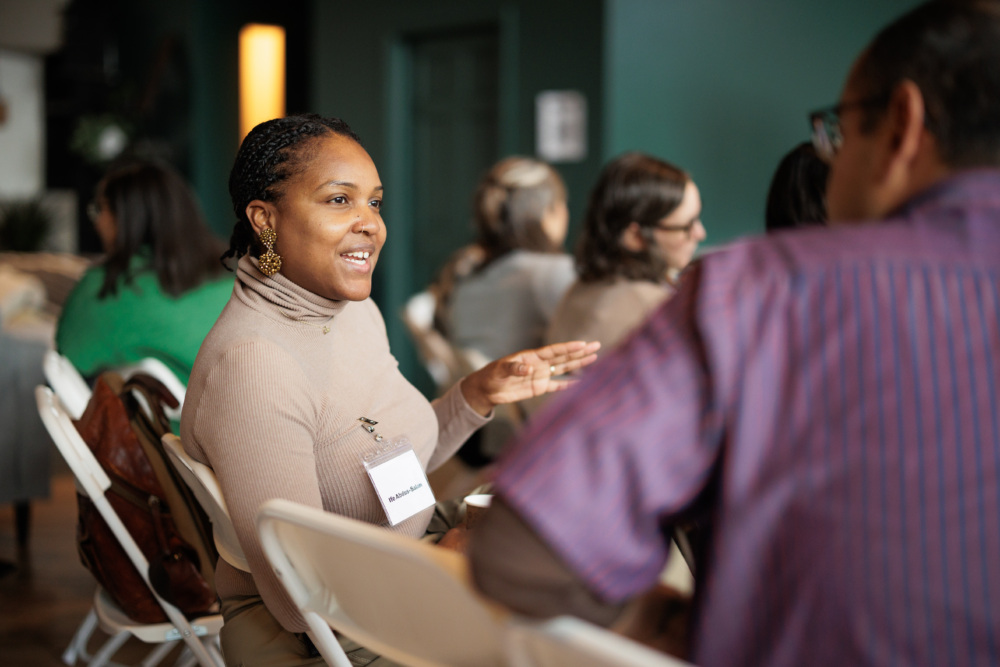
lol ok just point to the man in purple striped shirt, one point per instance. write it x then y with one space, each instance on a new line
827 399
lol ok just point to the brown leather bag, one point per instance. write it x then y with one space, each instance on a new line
153 502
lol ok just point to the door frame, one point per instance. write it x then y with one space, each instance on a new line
399 112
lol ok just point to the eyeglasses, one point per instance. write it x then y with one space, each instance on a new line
827 135
686 228
93 210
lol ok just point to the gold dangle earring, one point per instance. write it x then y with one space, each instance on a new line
270 261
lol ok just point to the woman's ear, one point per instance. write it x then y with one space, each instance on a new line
261 215
631 238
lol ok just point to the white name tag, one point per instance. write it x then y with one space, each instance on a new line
400 483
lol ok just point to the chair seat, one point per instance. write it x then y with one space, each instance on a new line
113 620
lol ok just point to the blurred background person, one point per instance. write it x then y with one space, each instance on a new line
506 286
641 229
159 288
497 295
797 196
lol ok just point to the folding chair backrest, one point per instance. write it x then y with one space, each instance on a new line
69 385
93 482
158 369
397 596
571 641
205 487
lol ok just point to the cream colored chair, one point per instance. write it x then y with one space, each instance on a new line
199 635
399 597
159 370
565 641
66 381
205 487
74 392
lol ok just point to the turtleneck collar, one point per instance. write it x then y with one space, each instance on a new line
290 300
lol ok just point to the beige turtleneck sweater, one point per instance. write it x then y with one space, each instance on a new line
273 405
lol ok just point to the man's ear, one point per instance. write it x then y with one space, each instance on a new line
631 238
261 215
906 134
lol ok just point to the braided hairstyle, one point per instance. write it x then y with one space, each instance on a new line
271 153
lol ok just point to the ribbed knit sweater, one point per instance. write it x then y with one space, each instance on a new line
273 406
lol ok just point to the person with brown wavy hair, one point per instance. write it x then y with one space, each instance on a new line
642 227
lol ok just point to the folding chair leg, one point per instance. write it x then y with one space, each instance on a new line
78 646
215 648
189 659
325 641
103 656
157 654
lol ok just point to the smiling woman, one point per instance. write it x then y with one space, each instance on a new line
329 232
295 387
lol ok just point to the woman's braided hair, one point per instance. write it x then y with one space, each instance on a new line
268 156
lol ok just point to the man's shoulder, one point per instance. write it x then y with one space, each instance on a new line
803 253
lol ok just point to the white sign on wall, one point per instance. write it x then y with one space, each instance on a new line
561 126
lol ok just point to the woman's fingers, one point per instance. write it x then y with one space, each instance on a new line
572 365
558 352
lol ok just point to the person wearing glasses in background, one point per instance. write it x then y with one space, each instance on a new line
160 286
641 230
828 399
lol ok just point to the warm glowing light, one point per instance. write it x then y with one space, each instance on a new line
262 74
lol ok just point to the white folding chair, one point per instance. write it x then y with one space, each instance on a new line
159 370
205 487
406 600
74 392
69 385
200 635
566 640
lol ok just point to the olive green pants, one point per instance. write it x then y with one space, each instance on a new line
252 637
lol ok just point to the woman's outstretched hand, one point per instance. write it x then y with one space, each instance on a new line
525 374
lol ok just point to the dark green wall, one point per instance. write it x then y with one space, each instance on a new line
722 87
357 58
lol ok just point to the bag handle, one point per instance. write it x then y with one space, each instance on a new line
156 395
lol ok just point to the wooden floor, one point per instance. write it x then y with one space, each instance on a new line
48 592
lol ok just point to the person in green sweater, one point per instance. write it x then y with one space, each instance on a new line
159 288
